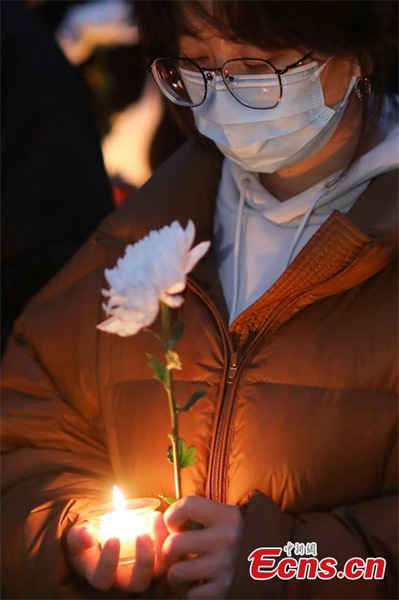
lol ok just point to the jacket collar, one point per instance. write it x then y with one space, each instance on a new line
345 251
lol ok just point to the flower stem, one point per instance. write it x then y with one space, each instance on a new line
172 403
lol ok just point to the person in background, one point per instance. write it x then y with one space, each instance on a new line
55 190
291 324
100 38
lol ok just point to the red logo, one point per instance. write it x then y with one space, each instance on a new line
264 565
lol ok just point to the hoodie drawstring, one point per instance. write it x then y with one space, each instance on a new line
237 244
302 226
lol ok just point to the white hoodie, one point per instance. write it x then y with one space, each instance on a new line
257 235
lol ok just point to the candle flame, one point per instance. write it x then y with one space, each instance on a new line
119 500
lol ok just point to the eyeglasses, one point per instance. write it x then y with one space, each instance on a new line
255 83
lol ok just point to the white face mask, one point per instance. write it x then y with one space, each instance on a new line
265 141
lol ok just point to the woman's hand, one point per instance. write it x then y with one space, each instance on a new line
100 567
216 546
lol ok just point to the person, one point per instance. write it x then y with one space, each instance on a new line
52 167
290 327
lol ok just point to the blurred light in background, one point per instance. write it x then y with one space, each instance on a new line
126 148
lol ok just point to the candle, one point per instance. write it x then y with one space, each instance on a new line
127 521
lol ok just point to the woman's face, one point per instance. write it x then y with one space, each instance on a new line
208 49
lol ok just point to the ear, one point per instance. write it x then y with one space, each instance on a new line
357 70
362 65
366 65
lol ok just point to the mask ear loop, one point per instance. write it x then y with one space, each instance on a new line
349 88
319 70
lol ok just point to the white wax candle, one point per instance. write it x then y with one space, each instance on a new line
125 524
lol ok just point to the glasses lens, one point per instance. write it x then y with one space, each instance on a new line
180 80
253 82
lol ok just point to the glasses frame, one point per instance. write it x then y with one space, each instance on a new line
209 73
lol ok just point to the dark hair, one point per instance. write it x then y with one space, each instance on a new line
365 29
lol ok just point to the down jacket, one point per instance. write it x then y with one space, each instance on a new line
298 425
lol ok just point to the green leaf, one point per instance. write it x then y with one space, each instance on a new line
159 369
176 335
185 455
168 499
192 400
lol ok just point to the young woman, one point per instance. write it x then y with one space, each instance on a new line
290 326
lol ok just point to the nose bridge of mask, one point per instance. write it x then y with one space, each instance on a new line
244 80
214 81
300 95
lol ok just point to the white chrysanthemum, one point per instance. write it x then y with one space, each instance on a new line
151 271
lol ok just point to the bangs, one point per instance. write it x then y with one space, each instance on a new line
239 22
339 27
162 23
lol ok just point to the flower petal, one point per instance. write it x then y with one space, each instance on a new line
172 301
151 270
189 234
195 255
177 287
122 328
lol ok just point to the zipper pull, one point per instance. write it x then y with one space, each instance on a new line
233 368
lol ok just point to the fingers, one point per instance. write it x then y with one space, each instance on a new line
138 577
102 569
180 544
144 567
194 569
214 548
160 533
83 549
80 538
103 575
196 508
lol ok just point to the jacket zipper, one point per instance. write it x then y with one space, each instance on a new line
217 460
235 364
232 364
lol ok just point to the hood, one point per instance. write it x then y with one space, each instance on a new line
326 195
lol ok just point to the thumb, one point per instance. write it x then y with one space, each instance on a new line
81 538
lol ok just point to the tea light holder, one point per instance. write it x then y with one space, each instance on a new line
126 520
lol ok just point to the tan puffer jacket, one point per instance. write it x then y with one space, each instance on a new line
298 424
